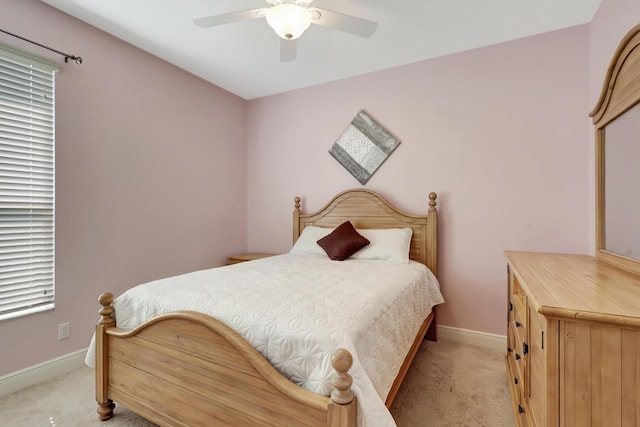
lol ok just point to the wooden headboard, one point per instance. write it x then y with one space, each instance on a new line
367 209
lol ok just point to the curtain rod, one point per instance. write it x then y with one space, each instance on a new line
67 57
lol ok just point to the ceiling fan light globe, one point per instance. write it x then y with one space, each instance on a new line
288 20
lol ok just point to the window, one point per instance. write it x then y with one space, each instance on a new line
26 184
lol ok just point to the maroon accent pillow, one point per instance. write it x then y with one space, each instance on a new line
342 242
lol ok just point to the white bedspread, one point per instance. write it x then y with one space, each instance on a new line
296 310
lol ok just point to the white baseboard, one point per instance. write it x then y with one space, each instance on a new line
481 339
42 372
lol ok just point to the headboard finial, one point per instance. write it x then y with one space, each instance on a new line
296 203
432 201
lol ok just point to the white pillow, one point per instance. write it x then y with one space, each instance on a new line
389 244
307 241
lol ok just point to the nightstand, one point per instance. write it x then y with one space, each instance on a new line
234 259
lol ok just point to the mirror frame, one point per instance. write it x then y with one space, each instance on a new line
620 92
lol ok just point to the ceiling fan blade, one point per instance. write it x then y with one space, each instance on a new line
228 18
288 50
347 23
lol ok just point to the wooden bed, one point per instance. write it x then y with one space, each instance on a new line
186 368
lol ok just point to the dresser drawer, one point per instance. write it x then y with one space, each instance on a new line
518 356
514 374
519 299
519 318
516 385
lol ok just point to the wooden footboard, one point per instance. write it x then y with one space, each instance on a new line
188 369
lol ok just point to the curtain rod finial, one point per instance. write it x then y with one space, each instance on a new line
77 59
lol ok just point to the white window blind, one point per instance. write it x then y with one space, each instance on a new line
26 184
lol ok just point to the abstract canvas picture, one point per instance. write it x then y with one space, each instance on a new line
363 147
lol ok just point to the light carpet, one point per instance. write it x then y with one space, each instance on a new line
449 384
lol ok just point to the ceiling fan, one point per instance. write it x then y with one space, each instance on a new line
290 18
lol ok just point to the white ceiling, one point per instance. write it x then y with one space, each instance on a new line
243 57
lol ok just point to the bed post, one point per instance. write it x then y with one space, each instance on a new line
105 405
432 234
432 256
342 408
296 218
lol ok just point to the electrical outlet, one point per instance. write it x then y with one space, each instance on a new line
64 330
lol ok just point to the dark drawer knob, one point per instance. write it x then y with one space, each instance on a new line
515 380
518 324
520 409
517 356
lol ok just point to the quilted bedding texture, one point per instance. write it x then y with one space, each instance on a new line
296 310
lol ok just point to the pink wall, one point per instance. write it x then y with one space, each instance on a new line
151 176
501 133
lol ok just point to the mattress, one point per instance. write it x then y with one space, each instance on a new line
297 309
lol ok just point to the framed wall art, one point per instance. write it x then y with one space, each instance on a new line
363 146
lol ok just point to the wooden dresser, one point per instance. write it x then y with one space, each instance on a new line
573 338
